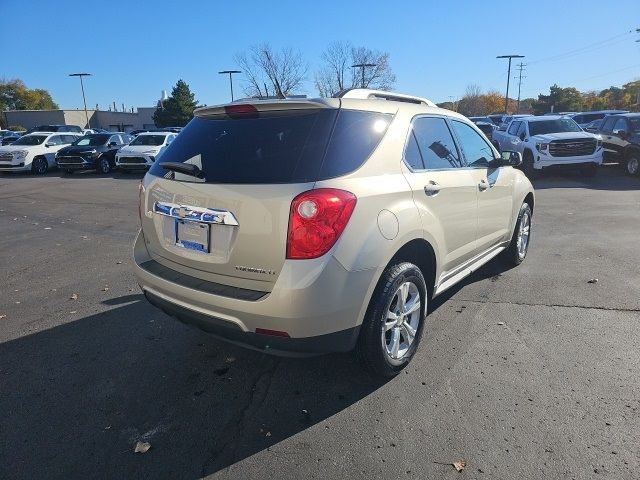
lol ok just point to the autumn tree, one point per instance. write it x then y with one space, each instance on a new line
336 72
14 95
271 73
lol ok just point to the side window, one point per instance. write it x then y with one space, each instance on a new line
436 143
55 140
475 149
513 128
621 124
522 131
579 119
412 156
68 139
607 126
114 139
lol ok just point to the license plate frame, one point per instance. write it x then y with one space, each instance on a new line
193 236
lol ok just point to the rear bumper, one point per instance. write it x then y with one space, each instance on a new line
316 302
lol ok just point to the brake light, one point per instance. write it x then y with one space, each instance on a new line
316 220
241 111
140 200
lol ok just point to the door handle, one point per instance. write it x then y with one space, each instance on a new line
432 188
483 185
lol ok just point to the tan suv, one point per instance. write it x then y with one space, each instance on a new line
302 226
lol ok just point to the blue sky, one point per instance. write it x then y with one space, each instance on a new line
137 49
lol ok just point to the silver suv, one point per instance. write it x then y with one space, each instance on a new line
306 226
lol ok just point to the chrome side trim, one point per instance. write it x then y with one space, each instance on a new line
197 214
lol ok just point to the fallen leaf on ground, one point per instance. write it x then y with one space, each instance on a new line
500 323
105 289
142 447
593 280
118 263
268 434
73 296
73 311
2 316
459 466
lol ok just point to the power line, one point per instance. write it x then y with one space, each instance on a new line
520 77
586 48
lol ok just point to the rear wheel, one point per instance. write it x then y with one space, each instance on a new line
519 246
392 328
39 166
632 164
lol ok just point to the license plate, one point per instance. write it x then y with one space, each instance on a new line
193 235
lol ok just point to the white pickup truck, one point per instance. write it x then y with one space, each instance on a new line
550 142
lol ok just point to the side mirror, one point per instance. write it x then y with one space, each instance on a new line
47 145
511 158
621 133
522 135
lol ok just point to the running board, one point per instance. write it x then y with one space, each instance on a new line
468 270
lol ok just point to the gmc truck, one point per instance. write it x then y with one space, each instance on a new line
551 142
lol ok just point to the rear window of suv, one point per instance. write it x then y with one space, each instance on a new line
288 146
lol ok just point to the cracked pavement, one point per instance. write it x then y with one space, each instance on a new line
525 373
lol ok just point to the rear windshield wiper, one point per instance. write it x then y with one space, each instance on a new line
184 168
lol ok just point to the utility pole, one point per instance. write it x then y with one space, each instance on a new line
506 95
520 77
230 73
83 99
362 66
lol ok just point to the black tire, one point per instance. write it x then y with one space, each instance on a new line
103 165
632 164
590 170
371 349
513 254
39 166
527 165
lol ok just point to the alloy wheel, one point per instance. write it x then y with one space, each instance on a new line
523 234
633 166
402 321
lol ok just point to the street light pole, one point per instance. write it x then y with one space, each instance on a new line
230 73
362 66
83 98
506 96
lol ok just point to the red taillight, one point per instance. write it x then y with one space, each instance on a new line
316 221
140 200
241 111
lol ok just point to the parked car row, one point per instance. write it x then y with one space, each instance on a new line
557 141
40 151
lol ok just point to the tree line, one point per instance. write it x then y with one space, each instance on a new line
568 99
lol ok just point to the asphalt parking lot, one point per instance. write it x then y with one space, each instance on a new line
526 373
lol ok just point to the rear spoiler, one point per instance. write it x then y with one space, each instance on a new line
254 106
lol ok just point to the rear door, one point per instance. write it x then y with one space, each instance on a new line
494 186
619 137
608 139
444 193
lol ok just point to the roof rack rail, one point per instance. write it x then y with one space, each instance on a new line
365 93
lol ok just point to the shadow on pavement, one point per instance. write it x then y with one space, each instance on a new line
77 397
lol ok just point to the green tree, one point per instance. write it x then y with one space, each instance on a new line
178 109
14 95
559 100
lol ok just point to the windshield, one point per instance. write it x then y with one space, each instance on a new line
559 125
149 140
30 140
91 140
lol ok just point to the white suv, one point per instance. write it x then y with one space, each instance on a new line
35 152
142 152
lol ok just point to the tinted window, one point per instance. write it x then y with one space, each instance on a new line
412 154
522 130
435 143
513 128
621 124
54 140
68 139
115 139
607 125
635 124
277 147
475 149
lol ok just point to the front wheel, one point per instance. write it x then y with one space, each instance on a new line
104 166
519 246
527 165
39 166
633 164
393 325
